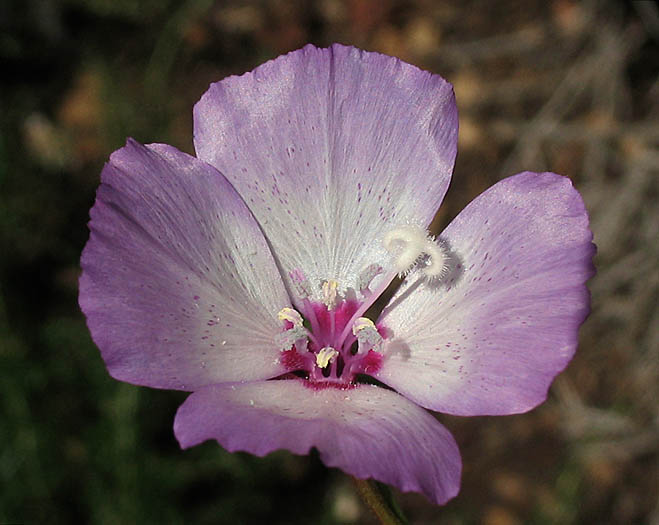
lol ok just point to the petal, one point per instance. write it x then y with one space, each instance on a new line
491 337
330 148
178 285
366 431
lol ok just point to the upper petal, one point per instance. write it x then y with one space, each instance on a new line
179 286
366 431
330 148
492 335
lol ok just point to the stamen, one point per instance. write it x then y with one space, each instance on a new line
367 275
311 315
325 355
330 293
286 339
367 335
363 323
291 315
302 290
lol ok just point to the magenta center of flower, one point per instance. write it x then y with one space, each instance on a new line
326 343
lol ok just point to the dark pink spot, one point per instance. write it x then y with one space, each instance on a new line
322 385
345 312
372 362
292 360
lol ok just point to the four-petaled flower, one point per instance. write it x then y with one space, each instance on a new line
245 275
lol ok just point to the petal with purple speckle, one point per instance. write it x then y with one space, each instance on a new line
366 431
331 148
490 336
179 286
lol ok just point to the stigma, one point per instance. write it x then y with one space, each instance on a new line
412 248
327 338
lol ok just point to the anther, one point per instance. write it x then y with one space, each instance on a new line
367 334
330 293
291 315
361 324
325 356
367 275
294 336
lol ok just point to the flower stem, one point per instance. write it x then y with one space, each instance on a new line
379 499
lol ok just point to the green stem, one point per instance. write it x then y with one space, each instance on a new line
379 499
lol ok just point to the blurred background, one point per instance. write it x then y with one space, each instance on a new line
557 85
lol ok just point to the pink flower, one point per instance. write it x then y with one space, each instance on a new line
244 275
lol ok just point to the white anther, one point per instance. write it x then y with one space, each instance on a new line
406 244
367 275
291 315
325 355
367 334
435 263
330 293
294 336
362 323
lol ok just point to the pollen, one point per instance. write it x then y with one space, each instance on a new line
362 323
366 277
330 293
368 337
291 315
325 355
317 339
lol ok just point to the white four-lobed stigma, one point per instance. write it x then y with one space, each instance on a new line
366 277
411 246
434 266
406 245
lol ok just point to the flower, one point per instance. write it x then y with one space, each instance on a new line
245 274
